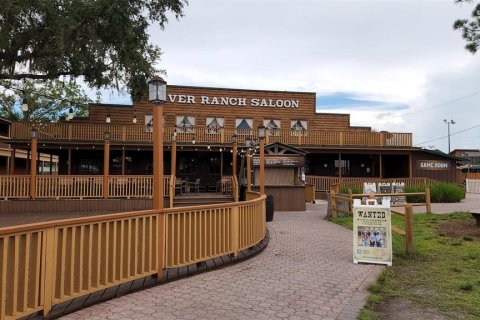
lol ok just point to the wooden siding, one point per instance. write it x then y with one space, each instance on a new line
305 111
439 175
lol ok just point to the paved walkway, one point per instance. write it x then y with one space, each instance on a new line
306 272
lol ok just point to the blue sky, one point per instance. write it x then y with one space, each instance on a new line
394 65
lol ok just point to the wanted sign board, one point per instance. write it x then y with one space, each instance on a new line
372 232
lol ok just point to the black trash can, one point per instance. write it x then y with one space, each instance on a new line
269 207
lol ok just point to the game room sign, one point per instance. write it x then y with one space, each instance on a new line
432 165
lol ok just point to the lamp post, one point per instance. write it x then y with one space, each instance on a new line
234 157
261 137
448 122
33 163
157 94
248 143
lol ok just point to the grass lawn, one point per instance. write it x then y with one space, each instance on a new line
441 280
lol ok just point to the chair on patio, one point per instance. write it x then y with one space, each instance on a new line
179 186
195 186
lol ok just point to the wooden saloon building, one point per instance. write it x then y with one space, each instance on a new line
207 123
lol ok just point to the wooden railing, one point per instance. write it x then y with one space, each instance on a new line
14 187
324 183
47 263
79 187
346 199
141 133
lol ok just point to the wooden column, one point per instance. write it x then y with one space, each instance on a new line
33 166
234 159
262 165
157 158
11 167
380 164
69 162
173 171
249 172
410 165
123 161
339 165
158 184
106 165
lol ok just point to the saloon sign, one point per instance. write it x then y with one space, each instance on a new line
233 101
432 165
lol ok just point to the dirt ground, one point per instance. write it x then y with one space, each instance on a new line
460 229
403 309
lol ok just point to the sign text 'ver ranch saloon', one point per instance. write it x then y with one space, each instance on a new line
233 101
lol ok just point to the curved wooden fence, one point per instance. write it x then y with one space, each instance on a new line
46 263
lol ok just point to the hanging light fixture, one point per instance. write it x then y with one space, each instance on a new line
108 119
134 120
193 140
24 105
70 113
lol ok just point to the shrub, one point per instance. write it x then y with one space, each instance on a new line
415 198
446 192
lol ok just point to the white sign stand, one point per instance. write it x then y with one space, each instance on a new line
372 232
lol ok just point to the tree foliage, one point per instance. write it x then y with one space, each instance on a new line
105 41
470 28
47 100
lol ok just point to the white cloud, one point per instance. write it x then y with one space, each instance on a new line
398 52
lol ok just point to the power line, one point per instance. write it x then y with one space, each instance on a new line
455 133
434 106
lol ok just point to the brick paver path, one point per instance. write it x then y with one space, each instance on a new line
306 272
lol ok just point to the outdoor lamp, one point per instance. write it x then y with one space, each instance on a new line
234 138
134 120
108 119
174 137
261 131
24 105
157 90
33 133
193 140
106 135
248 142
70 113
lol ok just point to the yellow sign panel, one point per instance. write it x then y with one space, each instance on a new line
372 233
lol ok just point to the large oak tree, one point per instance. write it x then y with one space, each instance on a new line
103 41
470 28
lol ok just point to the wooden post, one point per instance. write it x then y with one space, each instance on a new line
350 201
235 231
234 158
123 161
249 172
339 165
158 185
409 228
428 204
48 266
262 166
173 170
333 203
106 165
11 167
33 166
69 164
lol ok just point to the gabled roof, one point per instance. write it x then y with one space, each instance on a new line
443 154
285 148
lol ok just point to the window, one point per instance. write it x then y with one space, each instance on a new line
273 126
90 166
185 124
243 126
299 127
215 125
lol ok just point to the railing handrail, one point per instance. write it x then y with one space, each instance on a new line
121 247
138 132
